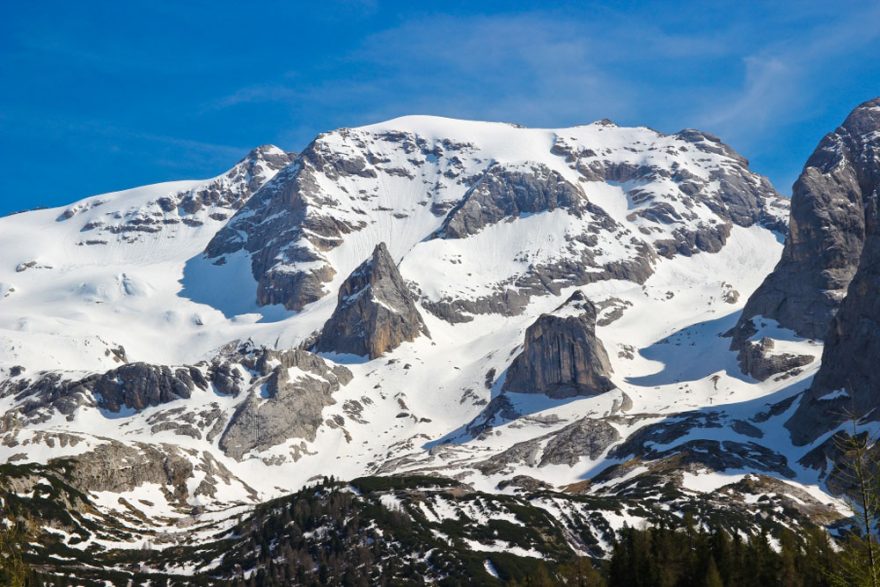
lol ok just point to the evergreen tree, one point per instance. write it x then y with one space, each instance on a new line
859 564
713 575
13 570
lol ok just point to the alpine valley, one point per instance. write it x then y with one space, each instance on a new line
448 348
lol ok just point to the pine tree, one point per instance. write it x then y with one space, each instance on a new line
713 576
13 570
859 557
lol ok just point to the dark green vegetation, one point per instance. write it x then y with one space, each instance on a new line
408 531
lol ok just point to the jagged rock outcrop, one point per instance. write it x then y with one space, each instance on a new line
667 441
584 438
561 356
133 386
282 406
139 385
117 467
758 359
831 204
733 194
505 193
215 200
289 223
236 186
587 437
375 312
848 381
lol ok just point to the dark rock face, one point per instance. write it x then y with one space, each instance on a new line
139 385
586 437
503 193
375 312
832 202
849 359
280 408
282 231
757 359
133 386
561 355
852 341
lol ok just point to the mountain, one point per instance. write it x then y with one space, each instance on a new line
481 320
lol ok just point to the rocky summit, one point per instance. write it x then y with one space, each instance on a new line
470 345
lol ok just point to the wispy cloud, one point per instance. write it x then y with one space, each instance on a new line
258 93
770 85
783 78
536 68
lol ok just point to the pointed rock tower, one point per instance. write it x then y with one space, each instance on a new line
561 356
375 312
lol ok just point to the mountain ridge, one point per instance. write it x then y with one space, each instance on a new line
475 234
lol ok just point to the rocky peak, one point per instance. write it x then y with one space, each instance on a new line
208 202
561 356
830 206
286 401
235 187
375 312
848 380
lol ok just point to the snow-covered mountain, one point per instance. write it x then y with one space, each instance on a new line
513 308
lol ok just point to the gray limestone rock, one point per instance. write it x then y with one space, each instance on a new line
139 385
133 386
561 356
284 230
587 437
758 360
850 229
118 467
375 312
280 407
831 203
234 188
503 193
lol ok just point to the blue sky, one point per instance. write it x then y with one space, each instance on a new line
99 96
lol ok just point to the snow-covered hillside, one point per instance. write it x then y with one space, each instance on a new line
488 227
